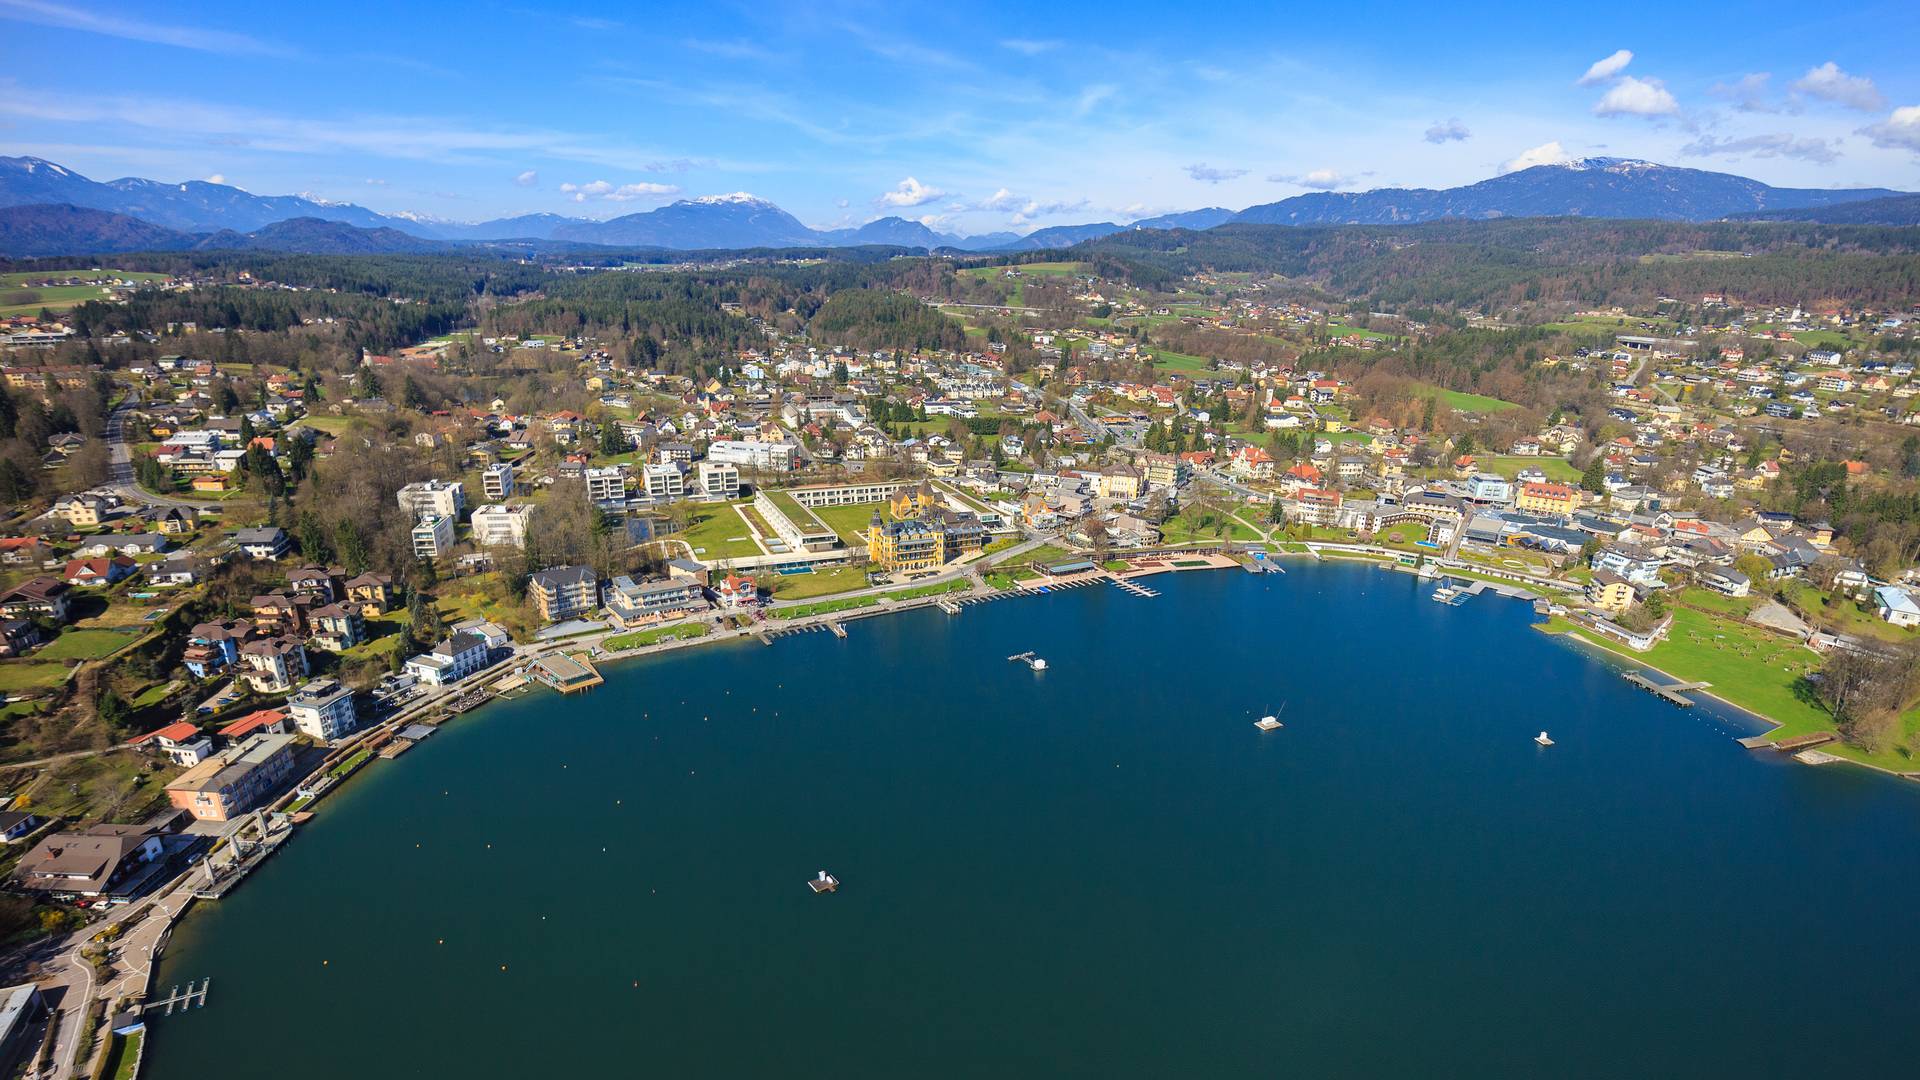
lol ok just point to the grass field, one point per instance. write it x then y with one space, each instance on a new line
1463 402
657 634
716 532
1558 470
850 521
825 607
1166 360
1181 529
17 676
825 582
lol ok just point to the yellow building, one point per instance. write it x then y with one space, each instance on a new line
910 501
896 546
1609 592
1548 498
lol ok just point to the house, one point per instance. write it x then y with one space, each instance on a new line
183 743
174 572
1489 488
105 860
632 602
16 824
372 593
273 664
212 647
497 525
433 536
37 598
564 592
265 543
1896 606
336 627
258 722
18 636
1557 499
452 660
235 780
736 592
102 571
445 498
1610 592
1725 580
322 710
175 520
1636 565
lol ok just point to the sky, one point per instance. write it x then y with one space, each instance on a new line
970 117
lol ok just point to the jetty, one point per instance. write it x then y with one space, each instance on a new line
838 630
1133 587
193 997
1668 692
1791 745
249 845
948 606
1030 660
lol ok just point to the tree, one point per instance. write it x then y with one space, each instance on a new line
1754 567
613 440
351 546
1594 477
15 485
113 709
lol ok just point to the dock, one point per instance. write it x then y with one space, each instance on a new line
249 845
838 630
1267 723
824 883
949 607
1791 745
1670 693
191 998
1030 660
1135 588
565 673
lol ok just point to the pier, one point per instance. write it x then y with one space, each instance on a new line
838 630
1030 660
191 998
1790 745
1668 693
1134 587
948 606
565 673
259 835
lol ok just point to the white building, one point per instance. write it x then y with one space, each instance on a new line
665 482
433 537
717 480
447 497
1896 606
768 457
323 710
496 525
497 482
450 661
606 485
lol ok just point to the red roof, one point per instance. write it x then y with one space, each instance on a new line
178 731
252 722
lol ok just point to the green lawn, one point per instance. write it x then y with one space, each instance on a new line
1167 360
1183 528
122 1058
25 675
717 532
936 589
657 634
850 521
1463 402
822 582
1559 470
845 603
1759 672
86 644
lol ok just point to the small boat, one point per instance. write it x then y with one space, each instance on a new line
1542 739
825 882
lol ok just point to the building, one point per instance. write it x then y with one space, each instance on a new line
564 592
273 664
766 457
212 647
372 593
1610 592
665 483
37 598
904 546
266 543
499 525
606 485
717 480
1317 506
633 602
1896 606
444 497
1489 488
1558 499
336 627
182 742
259 722
497 482
235 780
1637 565
323 710
452 660
433 537
1725 580
105 860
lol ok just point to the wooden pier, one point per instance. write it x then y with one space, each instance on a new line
838 630
191 998
1668 693
1790 745
949 607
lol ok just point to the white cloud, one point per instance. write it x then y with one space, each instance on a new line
1445 131
1829 83
1747 93
1551 153
1607 67
607 192
376 181
527 179
1022 208
1766 146
1092 96
216 178
1317 180
43 13
910 192
1900 131
1637 97
1028 46
1207 174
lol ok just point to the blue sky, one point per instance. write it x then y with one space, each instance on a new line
973 117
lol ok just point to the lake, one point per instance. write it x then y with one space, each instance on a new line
1102 869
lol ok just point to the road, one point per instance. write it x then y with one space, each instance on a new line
120 468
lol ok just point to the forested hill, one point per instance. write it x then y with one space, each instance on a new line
1475 264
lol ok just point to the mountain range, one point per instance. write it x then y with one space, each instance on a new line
202 214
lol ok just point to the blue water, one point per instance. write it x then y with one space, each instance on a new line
1098 870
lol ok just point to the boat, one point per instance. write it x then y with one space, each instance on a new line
1542 739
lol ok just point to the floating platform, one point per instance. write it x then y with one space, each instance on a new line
823 883
1542 739
1268 723
1029 659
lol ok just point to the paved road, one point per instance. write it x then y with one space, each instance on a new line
120 468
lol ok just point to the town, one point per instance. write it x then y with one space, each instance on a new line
242 564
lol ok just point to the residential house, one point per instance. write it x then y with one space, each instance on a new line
101 571
37 598
322 710
105 860
263 543
564 592
452 660
273 664
497 525
1896 606
336 627
183 743
446 498
1610 592
235 780
433 536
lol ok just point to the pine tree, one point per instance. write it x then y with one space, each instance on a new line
1594 479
